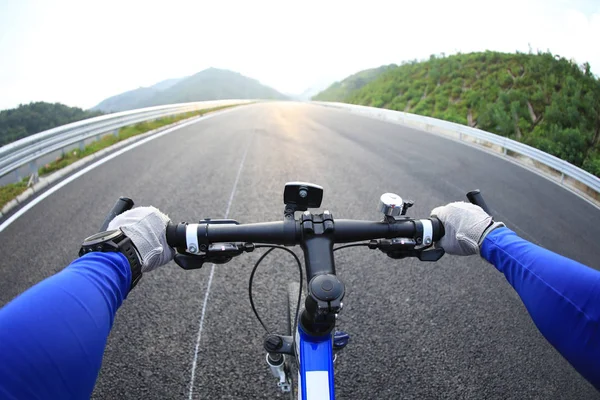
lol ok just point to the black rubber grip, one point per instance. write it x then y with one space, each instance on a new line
122 205
438 229
475 197
176 234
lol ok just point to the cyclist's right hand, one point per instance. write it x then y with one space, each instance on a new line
466 226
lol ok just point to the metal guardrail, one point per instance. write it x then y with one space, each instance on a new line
563 167
28 150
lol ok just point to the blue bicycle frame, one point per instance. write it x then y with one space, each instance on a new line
315 366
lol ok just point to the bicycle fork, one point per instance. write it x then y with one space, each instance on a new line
280 371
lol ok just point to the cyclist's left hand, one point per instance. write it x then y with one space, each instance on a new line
146 227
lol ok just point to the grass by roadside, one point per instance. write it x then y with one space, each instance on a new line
10 191
124 133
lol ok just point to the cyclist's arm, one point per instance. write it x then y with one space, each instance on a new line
52 337
561 295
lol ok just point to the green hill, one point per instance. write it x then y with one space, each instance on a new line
341 90
31 118
210 84
540 99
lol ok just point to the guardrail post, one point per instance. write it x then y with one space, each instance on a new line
116 133
81 145
33 168
504 151
562 178
33 179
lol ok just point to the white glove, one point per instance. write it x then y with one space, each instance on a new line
466 225
146 227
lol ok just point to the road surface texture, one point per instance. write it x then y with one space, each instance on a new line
452 329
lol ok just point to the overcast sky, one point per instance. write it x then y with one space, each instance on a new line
79 52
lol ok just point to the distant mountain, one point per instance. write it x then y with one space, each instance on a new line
216 84
313 90
340 90
308 93
130 100
166 84
210 84
31 118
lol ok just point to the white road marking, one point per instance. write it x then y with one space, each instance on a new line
87 169
212 271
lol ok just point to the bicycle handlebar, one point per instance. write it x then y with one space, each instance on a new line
218 241
291 232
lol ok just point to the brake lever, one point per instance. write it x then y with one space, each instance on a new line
189 262
216 253
431 255
423 255
399 248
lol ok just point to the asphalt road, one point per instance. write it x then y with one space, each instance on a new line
453 329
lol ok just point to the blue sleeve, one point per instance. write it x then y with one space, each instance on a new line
52 337
561 295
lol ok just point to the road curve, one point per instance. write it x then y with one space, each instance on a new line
454 329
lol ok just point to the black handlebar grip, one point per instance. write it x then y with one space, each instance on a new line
438 228
176 235
475 197
122 205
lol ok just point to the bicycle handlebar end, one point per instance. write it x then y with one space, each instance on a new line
475 197
122 205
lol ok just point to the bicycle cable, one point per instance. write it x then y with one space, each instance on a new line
299 264
262 257
254 269
351 245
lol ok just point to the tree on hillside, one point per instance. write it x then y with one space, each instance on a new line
541 99
31 118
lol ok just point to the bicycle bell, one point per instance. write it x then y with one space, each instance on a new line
391 204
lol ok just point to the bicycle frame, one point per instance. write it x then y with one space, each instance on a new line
315 366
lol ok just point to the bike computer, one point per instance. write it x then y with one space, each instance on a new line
302 195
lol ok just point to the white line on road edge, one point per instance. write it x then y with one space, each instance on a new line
212 271
87 169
